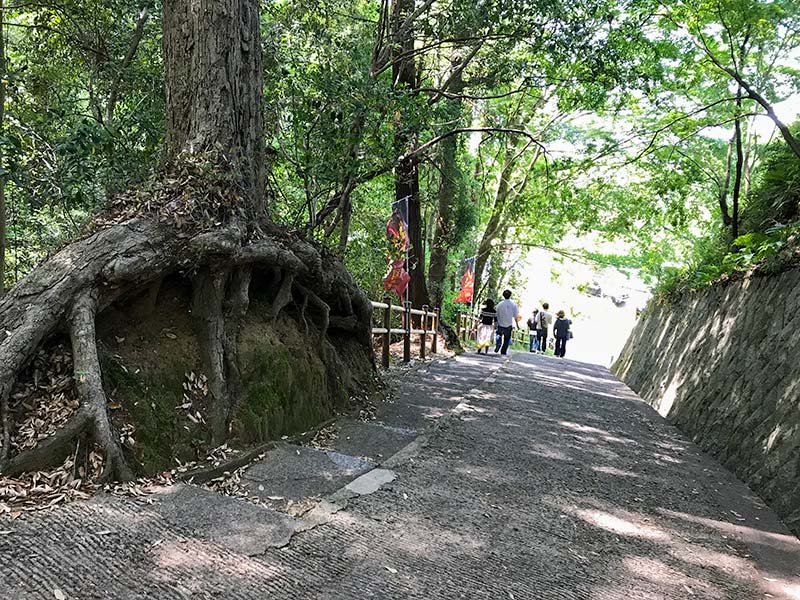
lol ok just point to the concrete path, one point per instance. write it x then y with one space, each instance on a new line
528 477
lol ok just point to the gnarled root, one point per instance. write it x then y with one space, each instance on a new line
89 382
138 254
5 416
320 305
284 293
92 414
207 303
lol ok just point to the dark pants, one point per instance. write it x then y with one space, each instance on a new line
561 346
542 334
534 341
504 337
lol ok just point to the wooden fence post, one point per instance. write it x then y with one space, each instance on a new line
387 325
423 337
407 337
435 341
458 324
465 328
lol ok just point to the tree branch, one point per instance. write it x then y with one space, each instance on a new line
138 32
416 152
792 141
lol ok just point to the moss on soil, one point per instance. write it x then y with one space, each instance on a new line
163 433
284 382
285 389
291 380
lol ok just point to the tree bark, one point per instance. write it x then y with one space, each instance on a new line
214 80
737 179
726 184
495 224
446 197
404 75
89 382
2 155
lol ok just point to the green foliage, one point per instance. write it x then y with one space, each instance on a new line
776 196
78 127
627 125
769 226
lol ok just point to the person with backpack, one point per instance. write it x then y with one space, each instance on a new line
533 330
561 333
545 320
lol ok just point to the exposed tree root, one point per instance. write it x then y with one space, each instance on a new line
89 381
322 307
5 447
207 302
284 294
68 291
92 415
51 450
237 302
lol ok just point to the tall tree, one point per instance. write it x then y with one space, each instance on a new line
406 187
201 220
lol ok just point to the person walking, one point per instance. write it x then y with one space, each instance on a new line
507 313
533 330
545 320
486 325
561 333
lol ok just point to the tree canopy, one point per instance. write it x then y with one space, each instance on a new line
506 122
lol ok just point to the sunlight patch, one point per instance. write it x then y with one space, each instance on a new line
609 522
614 471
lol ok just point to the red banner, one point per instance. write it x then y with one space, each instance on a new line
396 278
467 282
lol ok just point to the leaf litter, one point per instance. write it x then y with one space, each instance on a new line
46 398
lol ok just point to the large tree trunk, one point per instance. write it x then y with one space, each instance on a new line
214 81
404 74
203 220
446 198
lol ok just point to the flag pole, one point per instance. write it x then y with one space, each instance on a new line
474 288
408 245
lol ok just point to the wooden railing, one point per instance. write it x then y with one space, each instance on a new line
427 317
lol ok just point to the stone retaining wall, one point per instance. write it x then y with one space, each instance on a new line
724 366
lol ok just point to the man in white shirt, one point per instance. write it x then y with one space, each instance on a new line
545 320
506 319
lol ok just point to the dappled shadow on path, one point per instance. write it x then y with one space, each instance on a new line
556 482
553 482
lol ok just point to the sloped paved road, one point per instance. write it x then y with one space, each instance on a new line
551 480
